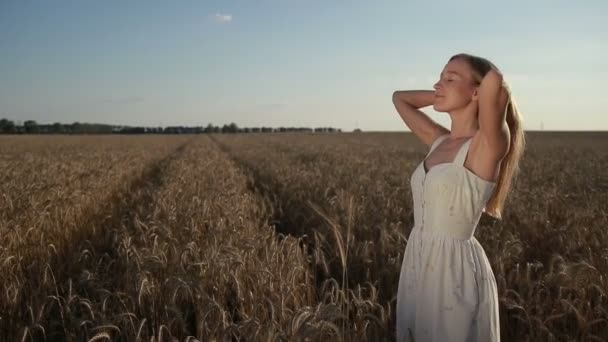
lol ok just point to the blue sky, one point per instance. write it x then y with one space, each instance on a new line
292 62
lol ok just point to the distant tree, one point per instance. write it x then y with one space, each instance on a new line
7 126
173 130
233 128
57 127
30 126
76 128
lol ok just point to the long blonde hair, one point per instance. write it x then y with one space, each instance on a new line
509 166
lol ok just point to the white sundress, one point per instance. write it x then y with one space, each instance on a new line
447 290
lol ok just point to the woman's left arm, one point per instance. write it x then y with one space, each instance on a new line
493 100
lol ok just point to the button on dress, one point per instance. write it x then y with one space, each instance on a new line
447 290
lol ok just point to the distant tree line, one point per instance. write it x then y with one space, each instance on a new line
32 127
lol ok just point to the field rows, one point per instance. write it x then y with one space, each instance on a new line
275 237
549 254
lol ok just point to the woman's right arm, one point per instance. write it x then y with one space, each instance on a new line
407 103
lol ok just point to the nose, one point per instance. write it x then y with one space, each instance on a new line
436 85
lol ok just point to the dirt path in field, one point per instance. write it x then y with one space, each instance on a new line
121 208
92 246
294 218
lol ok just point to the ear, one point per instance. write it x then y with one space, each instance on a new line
475 96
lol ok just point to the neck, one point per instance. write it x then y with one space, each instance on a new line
464 122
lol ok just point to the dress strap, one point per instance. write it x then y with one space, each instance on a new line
436 143
463 151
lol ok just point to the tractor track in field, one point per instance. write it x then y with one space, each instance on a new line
290 216
92 249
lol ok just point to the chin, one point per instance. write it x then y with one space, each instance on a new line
438 109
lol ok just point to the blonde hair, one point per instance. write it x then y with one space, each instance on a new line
509 166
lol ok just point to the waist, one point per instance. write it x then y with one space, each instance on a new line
445 232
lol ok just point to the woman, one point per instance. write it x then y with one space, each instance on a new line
447 290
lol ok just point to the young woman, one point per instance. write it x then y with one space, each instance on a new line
447 290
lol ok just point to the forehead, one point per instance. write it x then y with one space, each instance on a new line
457 66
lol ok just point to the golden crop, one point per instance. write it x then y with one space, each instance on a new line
291 236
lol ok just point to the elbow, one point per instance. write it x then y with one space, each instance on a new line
494 76
395 96
497 73
399 96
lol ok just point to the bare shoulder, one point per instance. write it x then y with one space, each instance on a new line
484 157
437 132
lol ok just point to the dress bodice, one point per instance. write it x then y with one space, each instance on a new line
449 198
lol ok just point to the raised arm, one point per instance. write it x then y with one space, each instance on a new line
493 99
407 103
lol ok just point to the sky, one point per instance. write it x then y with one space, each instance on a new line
293 63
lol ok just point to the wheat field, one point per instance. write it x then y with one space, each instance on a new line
276 237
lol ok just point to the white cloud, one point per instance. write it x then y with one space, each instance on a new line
222 18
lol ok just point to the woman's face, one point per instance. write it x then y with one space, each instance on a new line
456 87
